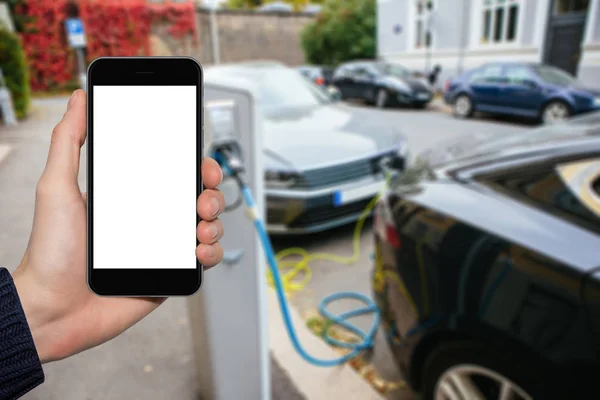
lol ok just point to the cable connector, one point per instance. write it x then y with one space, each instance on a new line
228 155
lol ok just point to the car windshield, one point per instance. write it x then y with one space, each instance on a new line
282 88
393 69
554 75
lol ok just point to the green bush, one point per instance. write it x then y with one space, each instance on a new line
14 68
344 30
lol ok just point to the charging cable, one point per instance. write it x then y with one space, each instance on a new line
232 166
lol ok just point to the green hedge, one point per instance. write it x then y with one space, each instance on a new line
14 67
344 30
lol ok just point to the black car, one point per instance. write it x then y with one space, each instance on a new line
487 268
382 84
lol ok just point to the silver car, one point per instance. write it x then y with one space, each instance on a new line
322 158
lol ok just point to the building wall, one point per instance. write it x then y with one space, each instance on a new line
589 66
243 35
457 45
391 16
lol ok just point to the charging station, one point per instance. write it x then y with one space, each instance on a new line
229 314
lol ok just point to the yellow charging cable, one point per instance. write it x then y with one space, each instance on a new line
292 269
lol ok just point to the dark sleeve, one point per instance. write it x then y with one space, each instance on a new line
20 367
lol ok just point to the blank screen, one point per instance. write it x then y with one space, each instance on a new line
144 177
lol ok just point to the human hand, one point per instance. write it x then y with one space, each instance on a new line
64 316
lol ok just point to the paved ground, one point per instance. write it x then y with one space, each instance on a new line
125 368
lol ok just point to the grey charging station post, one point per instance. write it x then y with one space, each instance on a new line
229 314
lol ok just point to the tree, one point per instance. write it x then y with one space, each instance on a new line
343 31
14 68
237 4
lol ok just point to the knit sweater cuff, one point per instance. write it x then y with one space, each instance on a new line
20 367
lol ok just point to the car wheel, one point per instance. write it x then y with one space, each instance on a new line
463 106
468 370
382 98
555 111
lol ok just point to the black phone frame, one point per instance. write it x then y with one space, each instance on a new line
142 71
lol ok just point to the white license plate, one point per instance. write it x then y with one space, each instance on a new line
342 197
423 96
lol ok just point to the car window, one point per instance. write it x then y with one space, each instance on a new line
554 75
394 70
562 190
362 71
284 88
518 75
342 72
489 74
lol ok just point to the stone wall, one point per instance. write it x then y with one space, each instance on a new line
243 35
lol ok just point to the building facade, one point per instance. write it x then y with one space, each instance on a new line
460 35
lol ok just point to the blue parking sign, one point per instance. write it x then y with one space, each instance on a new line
75 34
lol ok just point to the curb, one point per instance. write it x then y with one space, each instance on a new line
315 383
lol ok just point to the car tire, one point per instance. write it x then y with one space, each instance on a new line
463 106
460 366
555 111
382 98
421 106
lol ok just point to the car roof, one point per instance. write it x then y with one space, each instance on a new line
579 136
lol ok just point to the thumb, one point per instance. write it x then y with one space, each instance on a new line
67 138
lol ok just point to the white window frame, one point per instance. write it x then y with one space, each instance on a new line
415 17
477 24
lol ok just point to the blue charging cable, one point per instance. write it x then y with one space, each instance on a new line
367 338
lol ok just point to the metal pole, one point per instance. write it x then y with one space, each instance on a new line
81 67
214 36
463 37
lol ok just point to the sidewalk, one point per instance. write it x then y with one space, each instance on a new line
151 361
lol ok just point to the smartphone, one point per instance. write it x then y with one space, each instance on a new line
144 153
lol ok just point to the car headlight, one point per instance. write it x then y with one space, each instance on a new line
596 102
280 180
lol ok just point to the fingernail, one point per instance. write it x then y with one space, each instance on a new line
71 101
215 206
213 230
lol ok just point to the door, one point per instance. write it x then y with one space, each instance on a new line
521 93
342 79
364 78
565 34
485 87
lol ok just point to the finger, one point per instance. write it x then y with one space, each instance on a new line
84 196
209 255
210 204
210 232
212 175
67 138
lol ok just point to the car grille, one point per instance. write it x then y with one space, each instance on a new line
328 213
337 174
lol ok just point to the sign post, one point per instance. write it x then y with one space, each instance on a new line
76 38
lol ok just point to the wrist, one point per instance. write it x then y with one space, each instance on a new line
34 308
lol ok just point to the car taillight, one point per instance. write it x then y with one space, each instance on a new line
392 237
447 85
320 81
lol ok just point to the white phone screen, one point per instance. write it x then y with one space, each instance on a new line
144 176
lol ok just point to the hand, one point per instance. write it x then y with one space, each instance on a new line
65 317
